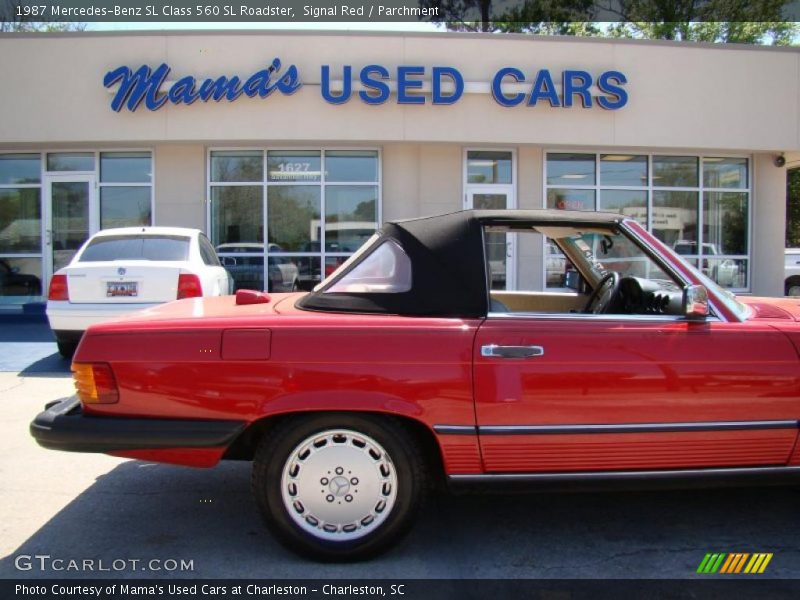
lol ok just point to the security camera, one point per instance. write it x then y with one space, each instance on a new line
780 161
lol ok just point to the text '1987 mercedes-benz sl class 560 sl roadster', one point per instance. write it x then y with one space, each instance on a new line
405 368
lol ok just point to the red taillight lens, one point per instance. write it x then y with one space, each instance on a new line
189 286
95 383
58 288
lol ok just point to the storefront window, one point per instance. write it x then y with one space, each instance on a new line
237 215
20 221
294 165
345 166
235 165
126 193
293 216
675 171
20 168
70 194
125 167
631 203
70 161
318 206
623 169
567 199
699 206
570 169
350 215
123 206
725 221
725 172
485 166
20 278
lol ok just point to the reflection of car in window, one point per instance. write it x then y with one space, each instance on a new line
14 283
405 369
724 271
791 284
245 262
555 265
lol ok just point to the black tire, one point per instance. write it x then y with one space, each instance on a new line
280 445
791 287
67 349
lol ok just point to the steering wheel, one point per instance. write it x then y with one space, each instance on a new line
604 294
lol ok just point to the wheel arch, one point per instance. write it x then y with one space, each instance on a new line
790 281
243 448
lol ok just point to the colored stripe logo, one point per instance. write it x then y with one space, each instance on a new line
734 562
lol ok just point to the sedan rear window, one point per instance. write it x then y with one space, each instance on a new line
140 247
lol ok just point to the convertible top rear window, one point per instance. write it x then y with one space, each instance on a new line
139 247
387 270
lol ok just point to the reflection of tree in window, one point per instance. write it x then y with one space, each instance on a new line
725 221
675 171
236 166
291 212
236 214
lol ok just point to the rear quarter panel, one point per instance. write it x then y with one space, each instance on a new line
418 368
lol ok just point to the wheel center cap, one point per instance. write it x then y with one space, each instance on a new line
339 486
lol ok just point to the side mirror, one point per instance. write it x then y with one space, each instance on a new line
695 302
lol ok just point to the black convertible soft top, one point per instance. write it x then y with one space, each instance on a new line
449 276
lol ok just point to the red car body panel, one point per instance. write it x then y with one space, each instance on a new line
617 372
186 360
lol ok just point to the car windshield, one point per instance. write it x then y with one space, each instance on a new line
601 252
136 247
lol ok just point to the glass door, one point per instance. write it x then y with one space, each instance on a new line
71 217
500 247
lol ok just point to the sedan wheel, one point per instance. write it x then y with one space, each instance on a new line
338 487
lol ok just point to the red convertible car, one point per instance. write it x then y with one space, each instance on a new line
404 369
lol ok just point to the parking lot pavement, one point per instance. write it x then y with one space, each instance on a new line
86 506
27 345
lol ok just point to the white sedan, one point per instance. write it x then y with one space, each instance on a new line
119 271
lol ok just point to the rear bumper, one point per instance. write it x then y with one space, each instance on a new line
63 426
65 316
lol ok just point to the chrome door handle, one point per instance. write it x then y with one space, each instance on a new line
495 351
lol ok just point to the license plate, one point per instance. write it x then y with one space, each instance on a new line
122 289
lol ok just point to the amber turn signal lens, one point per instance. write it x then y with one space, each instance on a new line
95 383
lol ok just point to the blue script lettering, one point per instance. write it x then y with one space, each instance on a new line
145 85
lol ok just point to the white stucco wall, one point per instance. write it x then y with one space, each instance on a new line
681 96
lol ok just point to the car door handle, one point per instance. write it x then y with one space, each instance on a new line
495 351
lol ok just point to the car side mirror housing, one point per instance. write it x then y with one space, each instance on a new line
695 302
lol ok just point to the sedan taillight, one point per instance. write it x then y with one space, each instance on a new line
58 288
189 286
95 383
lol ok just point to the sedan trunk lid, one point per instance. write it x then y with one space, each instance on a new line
135 282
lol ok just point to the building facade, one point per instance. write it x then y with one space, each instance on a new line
289 148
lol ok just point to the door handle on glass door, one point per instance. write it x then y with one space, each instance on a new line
495 351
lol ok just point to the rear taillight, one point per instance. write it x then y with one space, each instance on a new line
58 288
95 383
189 286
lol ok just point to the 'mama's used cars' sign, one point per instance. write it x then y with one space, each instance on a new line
509 86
